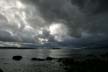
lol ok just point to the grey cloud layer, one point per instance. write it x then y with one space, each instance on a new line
83 18
89 15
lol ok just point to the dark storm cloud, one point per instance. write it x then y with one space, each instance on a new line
78 14
61 10
96 12
92 6
5 36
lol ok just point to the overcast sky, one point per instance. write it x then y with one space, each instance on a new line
42 21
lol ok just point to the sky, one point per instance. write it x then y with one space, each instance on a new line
54 22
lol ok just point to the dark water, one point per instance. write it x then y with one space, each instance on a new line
53 60
53 53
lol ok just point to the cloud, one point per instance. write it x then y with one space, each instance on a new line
64 22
